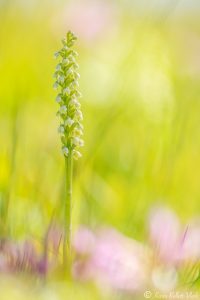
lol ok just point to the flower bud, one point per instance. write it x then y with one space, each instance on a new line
76 154
56 54
65 151
56 85
69 122
66 91
63 109
61 129
59 99
58 67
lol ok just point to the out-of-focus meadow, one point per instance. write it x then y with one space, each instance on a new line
140 72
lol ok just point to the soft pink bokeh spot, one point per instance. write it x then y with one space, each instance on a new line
88 19
114 261
164 230
173 243
84 241
191 245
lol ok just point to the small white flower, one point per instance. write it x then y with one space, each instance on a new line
76 154
66 91
61 79
74 102
75 83
80 126
65 61
56 54
58 99
77 75
76 66
70 72
69 122
77 131
65 151
75 141
72 59
78 142
74 53
81 143
79 115
58 67
63 109
61 129
56 85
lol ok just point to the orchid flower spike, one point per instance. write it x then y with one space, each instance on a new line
66 75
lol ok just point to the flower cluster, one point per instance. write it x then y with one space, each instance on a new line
167 262
71 128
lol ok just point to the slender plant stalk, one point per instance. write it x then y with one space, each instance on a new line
67 256
70 129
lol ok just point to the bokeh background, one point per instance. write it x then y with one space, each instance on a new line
140 71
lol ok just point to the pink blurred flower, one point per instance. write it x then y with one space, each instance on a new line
84 241
89 18
18 257
53 238
49 258
173 243
110 259
23 257
191 244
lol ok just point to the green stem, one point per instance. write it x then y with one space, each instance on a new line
68 210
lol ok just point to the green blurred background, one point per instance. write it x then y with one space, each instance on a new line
140 72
